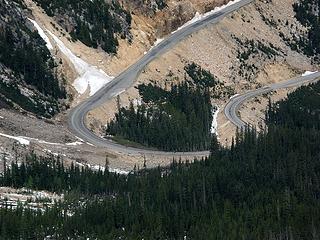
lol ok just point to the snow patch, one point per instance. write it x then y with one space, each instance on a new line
93 78
28 139
90 144
234 96
21 140
101 168
214 125
118 171
80 139
80 164
74 143
42 34
34 200
157 42
48 143
113 170
307 73
197 17
89 76
41 141
97 168
137 102
53 153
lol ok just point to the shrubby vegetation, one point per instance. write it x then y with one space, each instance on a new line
96 23
178 119
307 12
301 109
161 4
146 8
265 186
201 77
175 120
27 69
249 49
30 59
10 94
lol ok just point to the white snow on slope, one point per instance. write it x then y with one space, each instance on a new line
101 168
90 76
157 42
42 34
34 200
54 153
234 96
118 171
26 141
41 141
21 140
307 73
113 170
199 16
74 143
214 125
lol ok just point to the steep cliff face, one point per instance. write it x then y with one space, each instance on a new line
27 70
167 15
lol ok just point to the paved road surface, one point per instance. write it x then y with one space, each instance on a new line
232 108
126 79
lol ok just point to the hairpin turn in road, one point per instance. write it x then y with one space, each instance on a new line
127 78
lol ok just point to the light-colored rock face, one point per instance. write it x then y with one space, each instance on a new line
173 15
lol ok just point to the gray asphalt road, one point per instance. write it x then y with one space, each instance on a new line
232 108
126 79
